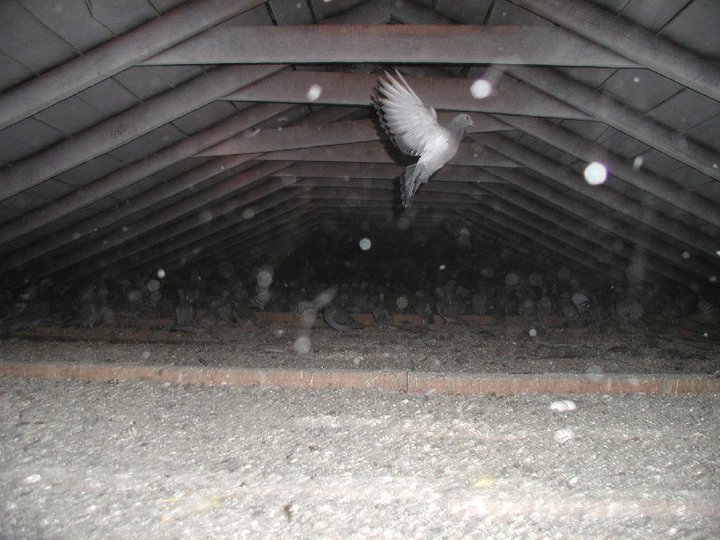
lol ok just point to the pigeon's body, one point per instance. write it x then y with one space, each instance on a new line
184 311
413 128
339 319
31 315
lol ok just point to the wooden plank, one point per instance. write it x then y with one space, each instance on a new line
125 127
308 136
509 96
116 55
391 44
386 190
636 43
296 137
125 177
491 384
348 170
377 152
588 151
616 114
145 228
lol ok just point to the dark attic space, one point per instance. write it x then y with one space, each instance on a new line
359 268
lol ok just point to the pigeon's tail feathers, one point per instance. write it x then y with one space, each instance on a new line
412 177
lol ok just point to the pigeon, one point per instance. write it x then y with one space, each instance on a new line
451 310
184 311
31 315
413 127
424 307
89 314
308 309
339 319
308 313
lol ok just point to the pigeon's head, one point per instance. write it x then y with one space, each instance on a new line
460 123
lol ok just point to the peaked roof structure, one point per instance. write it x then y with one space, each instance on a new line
163 133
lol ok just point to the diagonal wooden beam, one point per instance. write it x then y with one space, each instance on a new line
286 213
391 44
509 236
267 244
165 254
619 116
634 235
126 127
130 174
461 188
631 41
588 151
509 97
78 233
660 259
607 197
144 246
539 235
583 245
116 55
291 138
162 218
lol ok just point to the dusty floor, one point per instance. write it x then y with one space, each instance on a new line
453 348
136 460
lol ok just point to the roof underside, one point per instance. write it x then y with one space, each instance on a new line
149 134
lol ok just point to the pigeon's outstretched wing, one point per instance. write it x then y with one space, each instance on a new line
411 124
414 129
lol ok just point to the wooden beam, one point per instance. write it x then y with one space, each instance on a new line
618 115
666 263
77 234
588 151
125 127
509 97
308 136
130 174
632 41
164 216
538 233
554 223
613 199
116 55
358 193
216 233
287 216
503 229
390 44
297 137
462 188
350 170
269 241
342 170
616 224
377 152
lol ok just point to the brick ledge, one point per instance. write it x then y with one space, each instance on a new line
392 380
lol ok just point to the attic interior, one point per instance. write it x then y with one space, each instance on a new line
221 316
226 158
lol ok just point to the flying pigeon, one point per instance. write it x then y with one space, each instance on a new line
413 128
